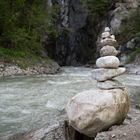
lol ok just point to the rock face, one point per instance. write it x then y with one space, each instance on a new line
94 111
108 62
121 13
76 34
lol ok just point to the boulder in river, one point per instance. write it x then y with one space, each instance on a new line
94 111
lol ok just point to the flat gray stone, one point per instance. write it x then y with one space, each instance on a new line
110 84
108 41
106 74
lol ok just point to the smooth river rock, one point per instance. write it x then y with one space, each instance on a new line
94 111
107 29
112 36
108 51
108 41
106 74
110 84
108 62
105 35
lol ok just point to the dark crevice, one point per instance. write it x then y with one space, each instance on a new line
72 134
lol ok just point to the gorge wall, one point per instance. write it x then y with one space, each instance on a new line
79 29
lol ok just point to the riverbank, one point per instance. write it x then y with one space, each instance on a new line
45 66
129 130
37 105
9 69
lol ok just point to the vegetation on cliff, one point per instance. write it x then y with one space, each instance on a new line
99 7
23 24
131 29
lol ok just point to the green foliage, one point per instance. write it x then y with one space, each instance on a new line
22 26
131 27
97 7
133 55
130 30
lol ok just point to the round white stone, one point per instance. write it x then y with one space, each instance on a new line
108 51
108 62
105 35
107 29
94 111
112 36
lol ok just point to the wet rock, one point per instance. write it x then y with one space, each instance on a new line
108 51
53 132
133 68
108 62
58 131
93 111
107 74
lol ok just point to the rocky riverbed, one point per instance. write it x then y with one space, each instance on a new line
8 69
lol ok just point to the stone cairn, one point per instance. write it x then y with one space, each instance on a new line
93 111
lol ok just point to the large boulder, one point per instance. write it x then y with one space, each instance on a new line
108 51
106 74
108 62
94 111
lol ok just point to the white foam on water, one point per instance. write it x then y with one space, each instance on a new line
25 111
51 105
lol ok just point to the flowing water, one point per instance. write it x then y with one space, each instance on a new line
29 102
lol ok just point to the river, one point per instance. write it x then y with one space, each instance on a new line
30 102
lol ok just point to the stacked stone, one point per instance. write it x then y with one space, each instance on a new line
108 63
93 111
